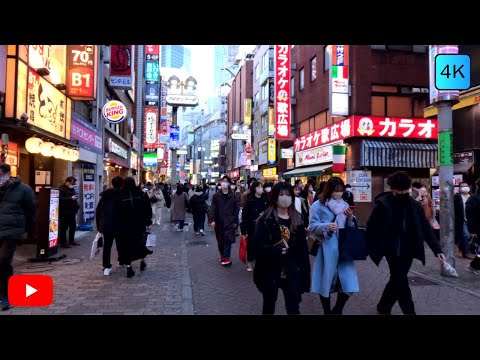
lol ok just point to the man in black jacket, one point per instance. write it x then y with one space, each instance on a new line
397 229
107 220
17 207
472 210
68 208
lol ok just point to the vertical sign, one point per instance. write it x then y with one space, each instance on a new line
81 82
339 152
339 81
88 193
282 91
272 152
121 57
152 52
247 119
271 122
150 140
53 218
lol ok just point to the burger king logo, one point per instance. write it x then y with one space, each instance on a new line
114 111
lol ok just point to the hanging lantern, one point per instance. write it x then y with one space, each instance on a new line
33 145
46 149
58 152
75 155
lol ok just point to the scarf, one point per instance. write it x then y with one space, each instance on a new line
337 207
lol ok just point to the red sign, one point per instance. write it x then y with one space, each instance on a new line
369 126
121 60
30 290
282 91
329 134
395 127
81 72
12 154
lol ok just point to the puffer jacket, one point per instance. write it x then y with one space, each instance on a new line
17 208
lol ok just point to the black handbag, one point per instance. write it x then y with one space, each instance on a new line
313 243
352 244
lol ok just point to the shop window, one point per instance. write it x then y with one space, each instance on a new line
326 59
304 128
302 79
378 106
419 106
313 68
399 106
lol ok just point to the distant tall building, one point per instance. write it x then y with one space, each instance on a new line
224 58
176 56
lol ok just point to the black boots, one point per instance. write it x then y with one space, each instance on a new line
130 272
342 299
143 265
326 305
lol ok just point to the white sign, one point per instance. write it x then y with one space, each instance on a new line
361 182
457 179
340 104
182 100
240 136
114 111
286 153
314 156
117 149
340 86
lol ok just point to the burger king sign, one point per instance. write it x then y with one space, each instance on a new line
114 111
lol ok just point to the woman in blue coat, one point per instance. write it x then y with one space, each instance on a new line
327 215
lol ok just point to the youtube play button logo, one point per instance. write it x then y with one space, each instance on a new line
30 290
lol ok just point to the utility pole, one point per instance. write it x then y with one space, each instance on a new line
174 151
444 100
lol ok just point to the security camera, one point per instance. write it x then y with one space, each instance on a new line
24 117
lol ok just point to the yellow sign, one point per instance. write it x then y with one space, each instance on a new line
247 119
47 106
49 58
269 172
271 122
271 152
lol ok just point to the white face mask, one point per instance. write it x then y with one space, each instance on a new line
268 189
284 201
212 187
219 187
348 190
242 185
465 189
225 185
232 187
259 190
422 191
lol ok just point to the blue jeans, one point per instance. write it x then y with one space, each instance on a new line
465 241
180 223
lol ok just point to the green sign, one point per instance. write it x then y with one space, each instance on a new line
445 143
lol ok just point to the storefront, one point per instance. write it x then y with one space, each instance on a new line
376 147
116 161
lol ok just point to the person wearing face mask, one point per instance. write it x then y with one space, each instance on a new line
255 205
281 252
426 201
348 195
17 209
267 188
472 210
223 218
67 212
301 205
462 236
210 192
327 215
397 229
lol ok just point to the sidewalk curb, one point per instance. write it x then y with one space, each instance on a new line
187 294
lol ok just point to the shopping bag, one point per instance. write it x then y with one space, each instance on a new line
97 243
352 244
151 240
242 249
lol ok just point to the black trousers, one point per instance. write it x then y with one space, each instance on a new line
67 222
199 222
7 250
292 303
398 289
108 238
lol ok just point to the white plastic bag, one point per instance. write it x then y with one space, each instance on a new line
447 270
95 250
151 240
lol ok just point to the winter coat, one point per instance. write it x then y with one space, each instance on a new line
134 215
67 206
198 204
106 213
253 208
381 230
17 208
326 264
269 260
179 206
472 209
158 194
224 212
459 217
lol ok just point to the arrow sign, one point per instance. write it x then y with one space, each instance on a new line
29 290
361 186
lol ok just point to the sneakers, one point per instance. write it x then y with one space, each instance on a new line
250 265
476 272
226 262
107 271
5 304
143 265
197 233
382 311
201 232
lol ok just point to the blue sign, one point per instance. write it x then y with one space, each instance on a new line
152 71
452 72
174 137
151 92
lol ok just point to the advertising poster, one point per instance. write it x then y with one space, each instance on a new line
88 193
151 92
81 72
174 137
53 218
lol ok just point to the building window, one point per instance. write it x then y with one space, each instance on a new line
292 86
398 101
265 61
265 91
409 48
302 78
313 68
378 106
326 59
257 72
255 128
257 100
399 106
265 122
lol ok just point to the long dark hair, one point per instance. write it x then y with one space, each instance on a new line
334 184
295 216
129 184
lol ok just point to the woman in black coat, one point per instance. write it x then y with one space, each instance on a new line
134 215
281 252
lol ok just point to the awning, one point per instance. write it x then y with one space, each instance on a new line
306 171
398 154
461 168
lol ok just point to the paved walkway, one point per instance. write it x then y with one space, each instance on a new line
184 277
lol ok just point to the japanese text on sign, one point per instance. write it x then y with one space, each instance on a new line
332 133
88 193
282 91
379 126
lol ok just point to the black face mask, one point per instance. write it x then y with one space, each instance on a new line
402 196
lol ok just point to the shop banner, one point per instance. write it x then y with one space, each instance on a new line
121 57
282 91
88 193
53 218
81 65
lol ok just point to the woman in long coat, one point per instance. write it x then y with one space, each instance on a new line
327 215
179 207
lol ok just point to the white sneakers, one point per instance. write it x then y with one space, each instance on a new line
201 232
250 265
107 271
